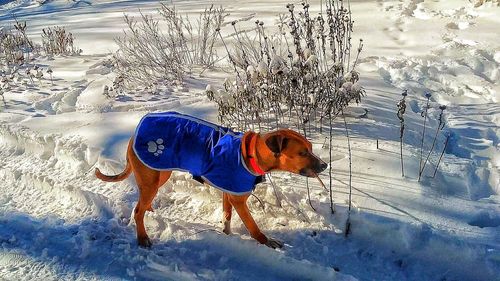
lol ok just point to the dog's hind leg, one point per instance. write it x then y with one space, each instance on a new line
148 184
148 181
164 176
227 210
145 199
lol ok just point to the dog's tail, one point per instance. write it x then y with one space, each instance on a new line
121 176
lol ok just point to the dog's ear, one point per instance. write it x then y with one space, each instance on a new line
276 144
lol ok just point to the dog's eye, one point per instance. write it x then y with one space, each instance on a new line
303 153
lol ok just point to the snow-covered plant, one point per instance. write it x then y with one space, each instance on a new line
5 84
105 91
479 3
118 84
38 73
401 111
309 195
297 76
145 56
348 221
442 153
30 75
195 45
439 127
57 41
15 46
149 55
330 176
424 115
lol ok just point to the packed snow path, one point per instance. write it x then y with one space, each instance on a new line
58 222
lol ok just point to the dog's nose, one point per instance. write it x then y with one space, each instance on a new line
323 166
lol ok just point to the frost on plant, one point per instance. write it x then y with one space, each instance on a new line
57 41
401 111
298 76
156 52
15 46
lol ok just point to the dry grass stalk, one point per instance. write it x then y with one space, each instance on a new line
150 56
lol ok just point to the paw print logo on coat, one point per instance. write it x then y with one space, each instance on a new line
156 147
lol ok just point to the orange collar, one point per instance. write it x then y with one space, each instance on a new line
253 156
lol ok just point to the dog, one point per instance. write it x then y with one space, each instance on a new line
233 162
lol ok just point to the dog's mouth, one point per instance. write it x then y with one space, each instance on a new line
314 171
306 172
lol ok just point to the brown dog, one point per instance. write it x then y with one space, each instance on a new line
283 150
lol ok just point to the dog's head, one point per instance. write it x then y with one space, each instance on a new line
293 153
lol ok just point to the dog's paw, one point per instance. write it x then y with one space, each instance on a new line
156 147
227 227
145 242
273 243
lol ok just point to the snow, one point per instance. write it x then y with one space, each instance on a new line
58 222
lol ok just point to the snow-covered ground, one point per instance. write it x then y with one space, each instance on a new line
58 222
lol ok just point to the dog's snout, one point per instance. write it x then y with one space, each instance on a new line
320 165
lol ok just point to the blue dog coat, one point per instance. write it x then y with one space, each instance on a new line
172 141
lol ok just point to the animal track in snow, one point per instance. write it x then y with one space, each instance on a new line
156 147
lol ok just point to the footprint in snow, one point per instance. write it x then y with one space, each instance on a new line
414 106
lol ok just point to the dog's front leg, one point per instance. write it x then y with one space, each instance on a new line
227 210
240 204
